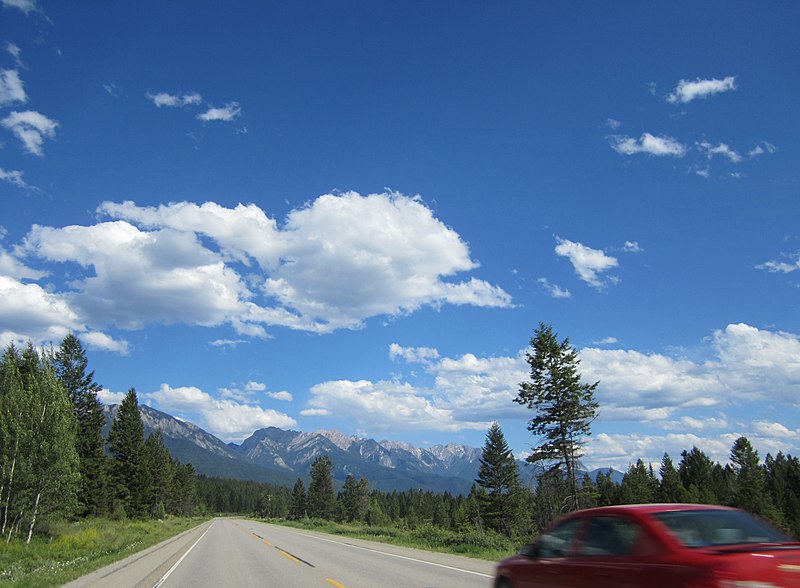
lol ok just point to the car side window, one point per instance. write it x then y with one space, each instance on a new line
607 535
557 542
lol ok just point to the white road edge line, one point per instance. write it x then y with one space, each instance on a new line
430 563
177 563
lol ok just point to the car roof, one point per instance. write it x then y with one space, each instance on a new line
649 508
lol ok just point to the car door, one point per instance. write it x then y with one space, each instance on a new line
613 553
547 560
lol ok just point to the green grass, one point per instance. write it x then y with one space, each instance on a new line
478 544
64 551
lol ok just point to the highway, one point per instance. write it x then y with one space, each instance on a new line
241 553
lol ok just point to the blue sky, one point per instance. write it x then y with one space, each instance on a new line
353 215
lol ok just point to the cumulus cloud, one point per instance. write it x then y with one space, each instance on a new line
333 264
649 144
757 368
227 113
589 263
413 354
175 100
688 90
11 88
385 407
227 419
632 247
32 128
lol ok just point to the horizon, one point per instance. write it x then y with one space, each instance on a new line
354 216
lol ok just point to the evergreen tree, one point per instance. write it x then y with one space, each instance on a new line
498 475
565 407
162 474
696 472
670 488
70 364
750 487
298 505
129 469
321 496
639 486
354 499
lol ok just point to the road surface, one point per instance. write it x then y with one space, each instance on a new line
241 553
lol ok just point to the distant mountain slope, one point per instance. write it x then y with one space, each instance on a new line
280 457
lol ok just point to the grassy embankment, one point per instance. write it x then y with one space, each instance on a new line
65 551
478 544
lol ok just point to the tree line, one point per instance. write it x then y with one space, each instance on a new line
54 460
564 409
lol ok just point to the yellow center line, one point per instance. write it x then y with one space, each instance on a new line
335 583
266 542
289 555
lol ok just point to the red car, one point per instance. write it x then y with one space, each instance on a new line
656 546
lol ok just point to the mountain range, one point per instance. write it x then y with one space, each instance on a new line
279 457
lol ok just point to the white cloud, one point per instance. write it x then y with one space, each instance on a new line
687 90
25 6
607 341
613 124
12 267
283 395
649 144
413 354
721 149
632 247
588 263
227 113
175 100
553 290
227 419
210 265
761 148
11 88
102 341
785 267
32 128
15 52
14 177
27 311
108 397
386 407
312 412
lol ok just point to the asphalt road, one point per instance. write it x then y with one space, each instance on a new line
240 553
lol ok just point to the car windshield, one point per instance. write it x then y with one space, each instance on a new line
709 528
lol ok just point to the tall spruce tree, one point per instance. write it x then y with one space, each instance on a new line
750 486
321 496
298 505
565 407
70 364
129 468
498 475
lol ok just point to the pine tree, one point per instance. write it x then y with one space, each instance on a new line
298 506
670 488
321 496
750 487
696 470
498 475
162 473
70 363
639 485
565 407
126 445
354 499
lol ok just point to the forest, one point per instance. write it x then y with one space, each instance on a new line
55 464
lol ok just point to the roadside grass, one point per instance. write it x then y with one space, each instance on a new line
486 545
63 551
